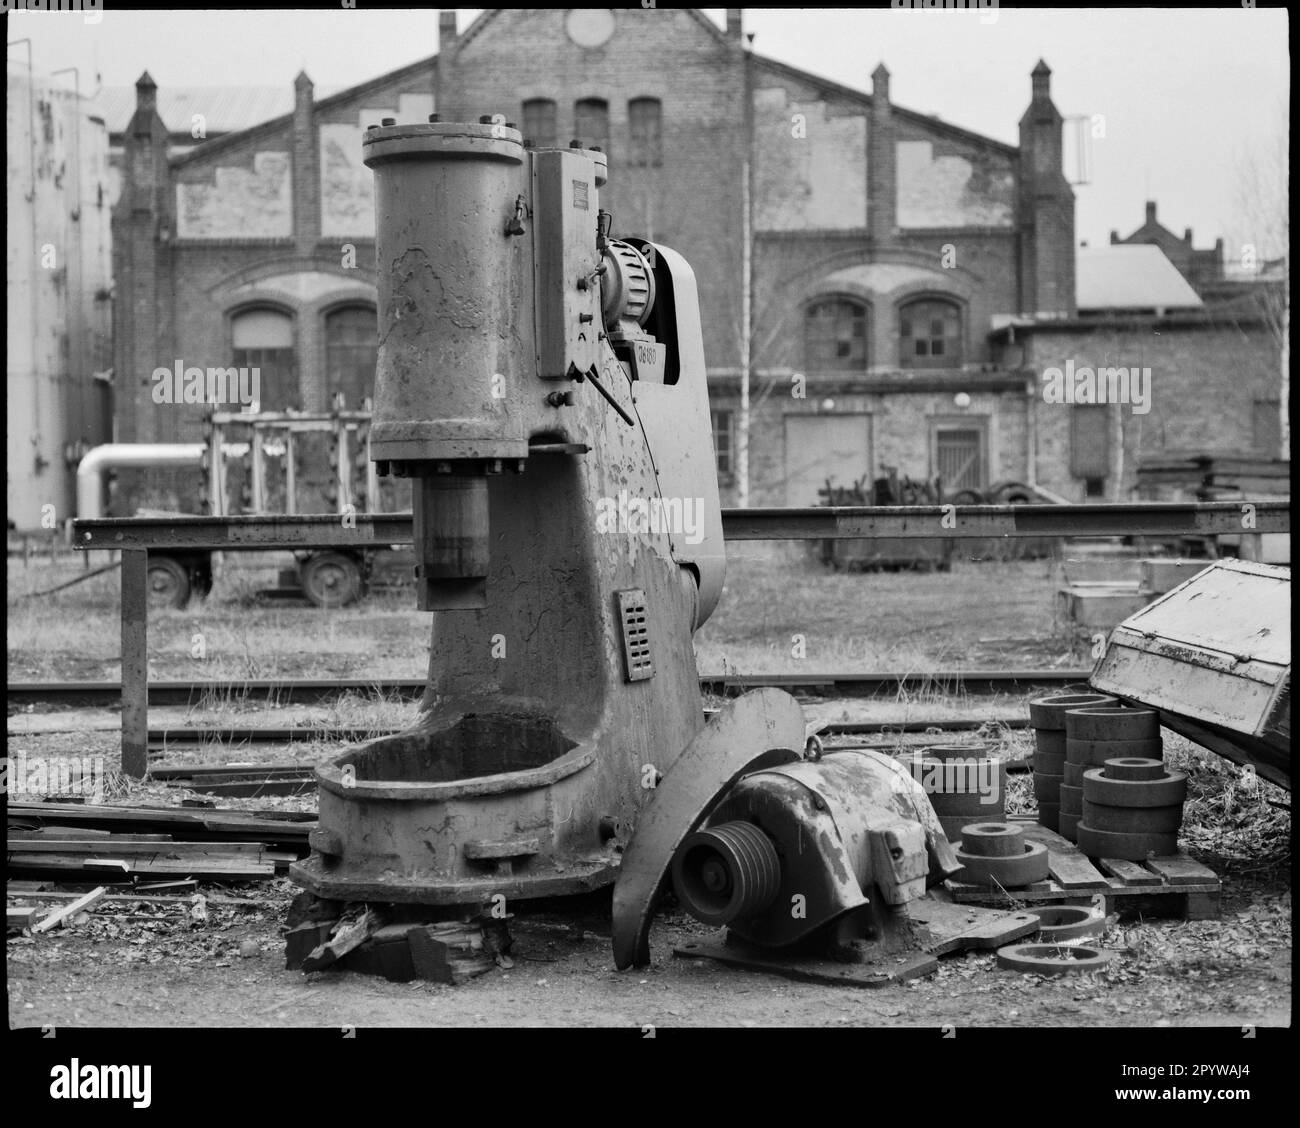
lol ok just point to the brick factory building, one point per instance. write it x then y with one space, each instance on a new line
899 264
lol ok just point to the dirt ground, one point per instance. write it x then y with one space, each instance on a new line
1236 972
120 968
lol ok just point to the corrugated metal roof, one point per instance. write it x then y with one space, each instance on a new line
1130 276
225 108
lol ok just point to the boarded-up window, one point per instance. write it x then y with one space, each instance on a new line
835 336
539 122
1089 441
644 119
959 458
930 335
1267 428
351 350
591 123
263 339
724 443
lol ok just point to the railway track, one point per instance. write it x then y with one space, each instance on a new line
853 684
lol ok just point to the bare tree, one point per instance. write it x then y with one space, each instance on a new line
1264 249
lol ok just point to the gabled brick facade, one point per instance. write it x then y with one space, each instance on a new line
886 245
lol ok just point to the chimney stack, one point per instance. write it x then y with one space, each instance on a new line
882 172
446 31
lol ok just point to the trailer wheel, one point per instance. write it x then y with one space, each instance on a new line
169 582
330 579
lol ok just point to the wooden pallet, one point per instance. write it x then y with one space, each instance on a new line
1174 886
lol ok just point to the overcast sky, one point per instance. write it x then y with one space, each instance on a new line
1190 97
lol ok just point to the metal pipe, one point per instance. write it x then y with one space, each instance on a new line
111 456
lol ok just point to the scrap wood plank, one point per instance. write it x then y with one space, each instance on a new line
251 788
222 824
234 868
146 898
217 772
347 935
129 844
1066 862
20 917
1179 869
60 834
1130 873
80 905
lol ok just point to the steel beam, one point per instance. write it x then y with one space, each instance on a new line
1145 518
812 523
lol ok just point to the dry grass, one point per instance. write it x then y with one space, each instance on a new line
778 613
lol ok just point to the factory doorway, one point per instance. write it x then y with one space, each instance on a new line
819 448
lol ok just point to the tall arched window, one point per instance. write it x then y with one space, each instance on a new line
263 339
351 350
929 334
835 336
645 126
591 123
539 122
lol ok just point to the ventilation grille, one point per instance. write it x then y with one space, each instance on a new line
636 635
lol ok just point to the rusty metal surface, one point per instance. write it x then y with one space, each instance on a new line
856 839
1214 656
760 729
813 523
135 662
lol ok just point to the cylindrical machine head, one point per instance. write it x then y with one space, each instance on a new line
455 309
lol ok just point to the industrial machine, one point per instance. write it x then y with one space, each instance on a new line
542 385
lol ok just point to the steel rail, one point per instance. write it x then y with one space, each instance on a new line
306 691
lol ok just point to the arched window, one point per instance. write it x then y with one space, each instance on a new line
263 339
645 125
835 336
539 123
930 334
591 123
351 351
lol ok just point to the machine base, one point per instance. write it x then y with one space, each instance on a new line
312 874
940 927
811 969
